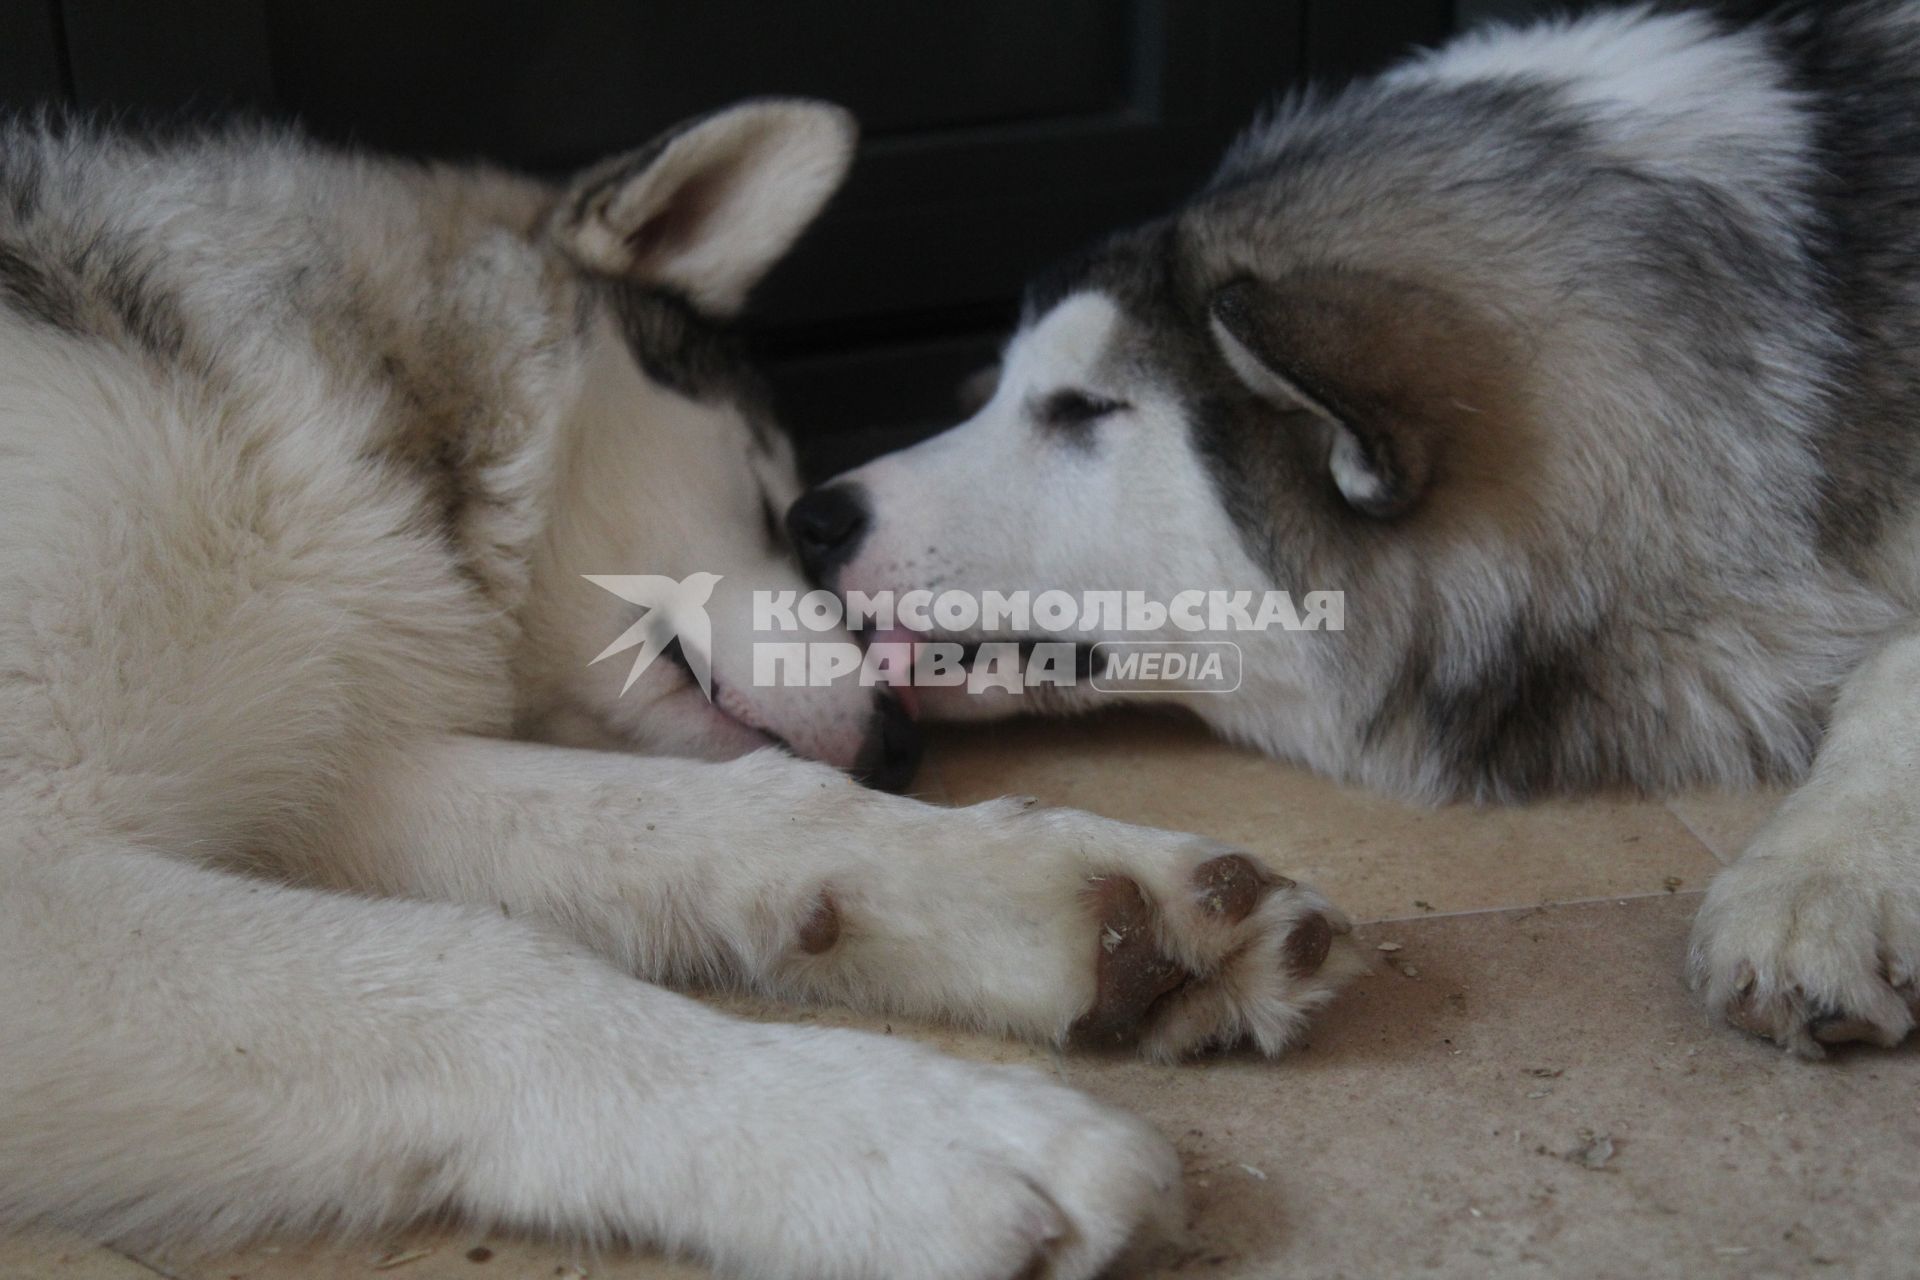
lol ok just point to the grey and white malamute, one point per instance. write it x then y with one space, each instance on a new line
328 859
1585 359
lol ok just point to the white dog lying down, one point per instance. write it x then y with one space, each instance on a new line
328 861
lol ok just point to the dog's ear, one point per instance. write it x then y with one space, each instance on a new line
1388 366
710 206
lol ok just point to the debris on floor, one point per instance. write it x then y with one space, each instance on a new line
398 1258
1594 1151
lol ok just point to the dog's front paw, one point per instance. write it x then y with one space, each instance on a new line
1057 924
1207 948
1070 1180
1811 944
896 1162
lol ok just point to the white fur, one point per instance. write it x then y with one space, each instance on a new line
630 498
1817 927
1672 88
1135 512
193 1057
1137 505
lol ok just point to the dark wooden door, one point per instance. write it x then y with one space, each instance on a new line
998 134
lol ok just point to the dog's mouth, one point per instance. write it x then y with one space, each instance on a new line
722 701
968 650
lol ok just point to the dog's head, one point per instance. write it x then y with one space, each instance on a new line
1535 399
1166 420
675 475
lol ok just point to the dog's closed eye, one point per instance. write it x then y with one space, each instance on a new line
1072 408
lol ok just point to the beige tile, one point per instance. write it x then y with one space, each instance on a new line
1377 858
1435 1124
45 1254
1726 821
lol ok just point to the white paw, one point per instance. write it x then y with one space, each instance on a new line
1196 945
1056 924
917 1165
1812 941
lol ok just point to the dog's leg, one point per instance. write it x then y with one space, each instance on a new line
1813 936
192 1057
791 878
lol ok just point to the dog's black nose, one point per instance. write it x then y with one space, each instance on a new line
891 754
826 526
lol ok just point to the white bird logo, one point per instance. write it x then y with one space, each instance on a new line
674 611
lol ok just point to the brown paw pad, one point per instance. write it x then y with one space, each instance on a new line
1307 946
1745 1015
1130 973
821 929
1746 1012
1231 886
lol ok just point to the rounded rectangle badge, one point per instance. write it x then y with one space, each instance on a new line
1165 666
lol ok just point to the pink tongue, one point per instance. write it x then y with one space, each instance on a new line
908 695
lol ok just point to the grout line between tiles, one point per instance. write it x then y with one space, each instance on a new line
1711 846
1533 906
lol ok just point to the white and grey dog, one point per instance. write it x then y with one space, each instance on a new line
1585 359
328 860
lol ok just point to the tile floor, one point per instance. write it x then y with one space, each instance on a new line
1522 1088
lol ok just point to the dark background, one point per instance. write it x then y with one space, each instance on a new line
999 134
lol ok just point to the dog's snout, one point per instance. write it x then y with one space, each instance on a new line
891 754
827 525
